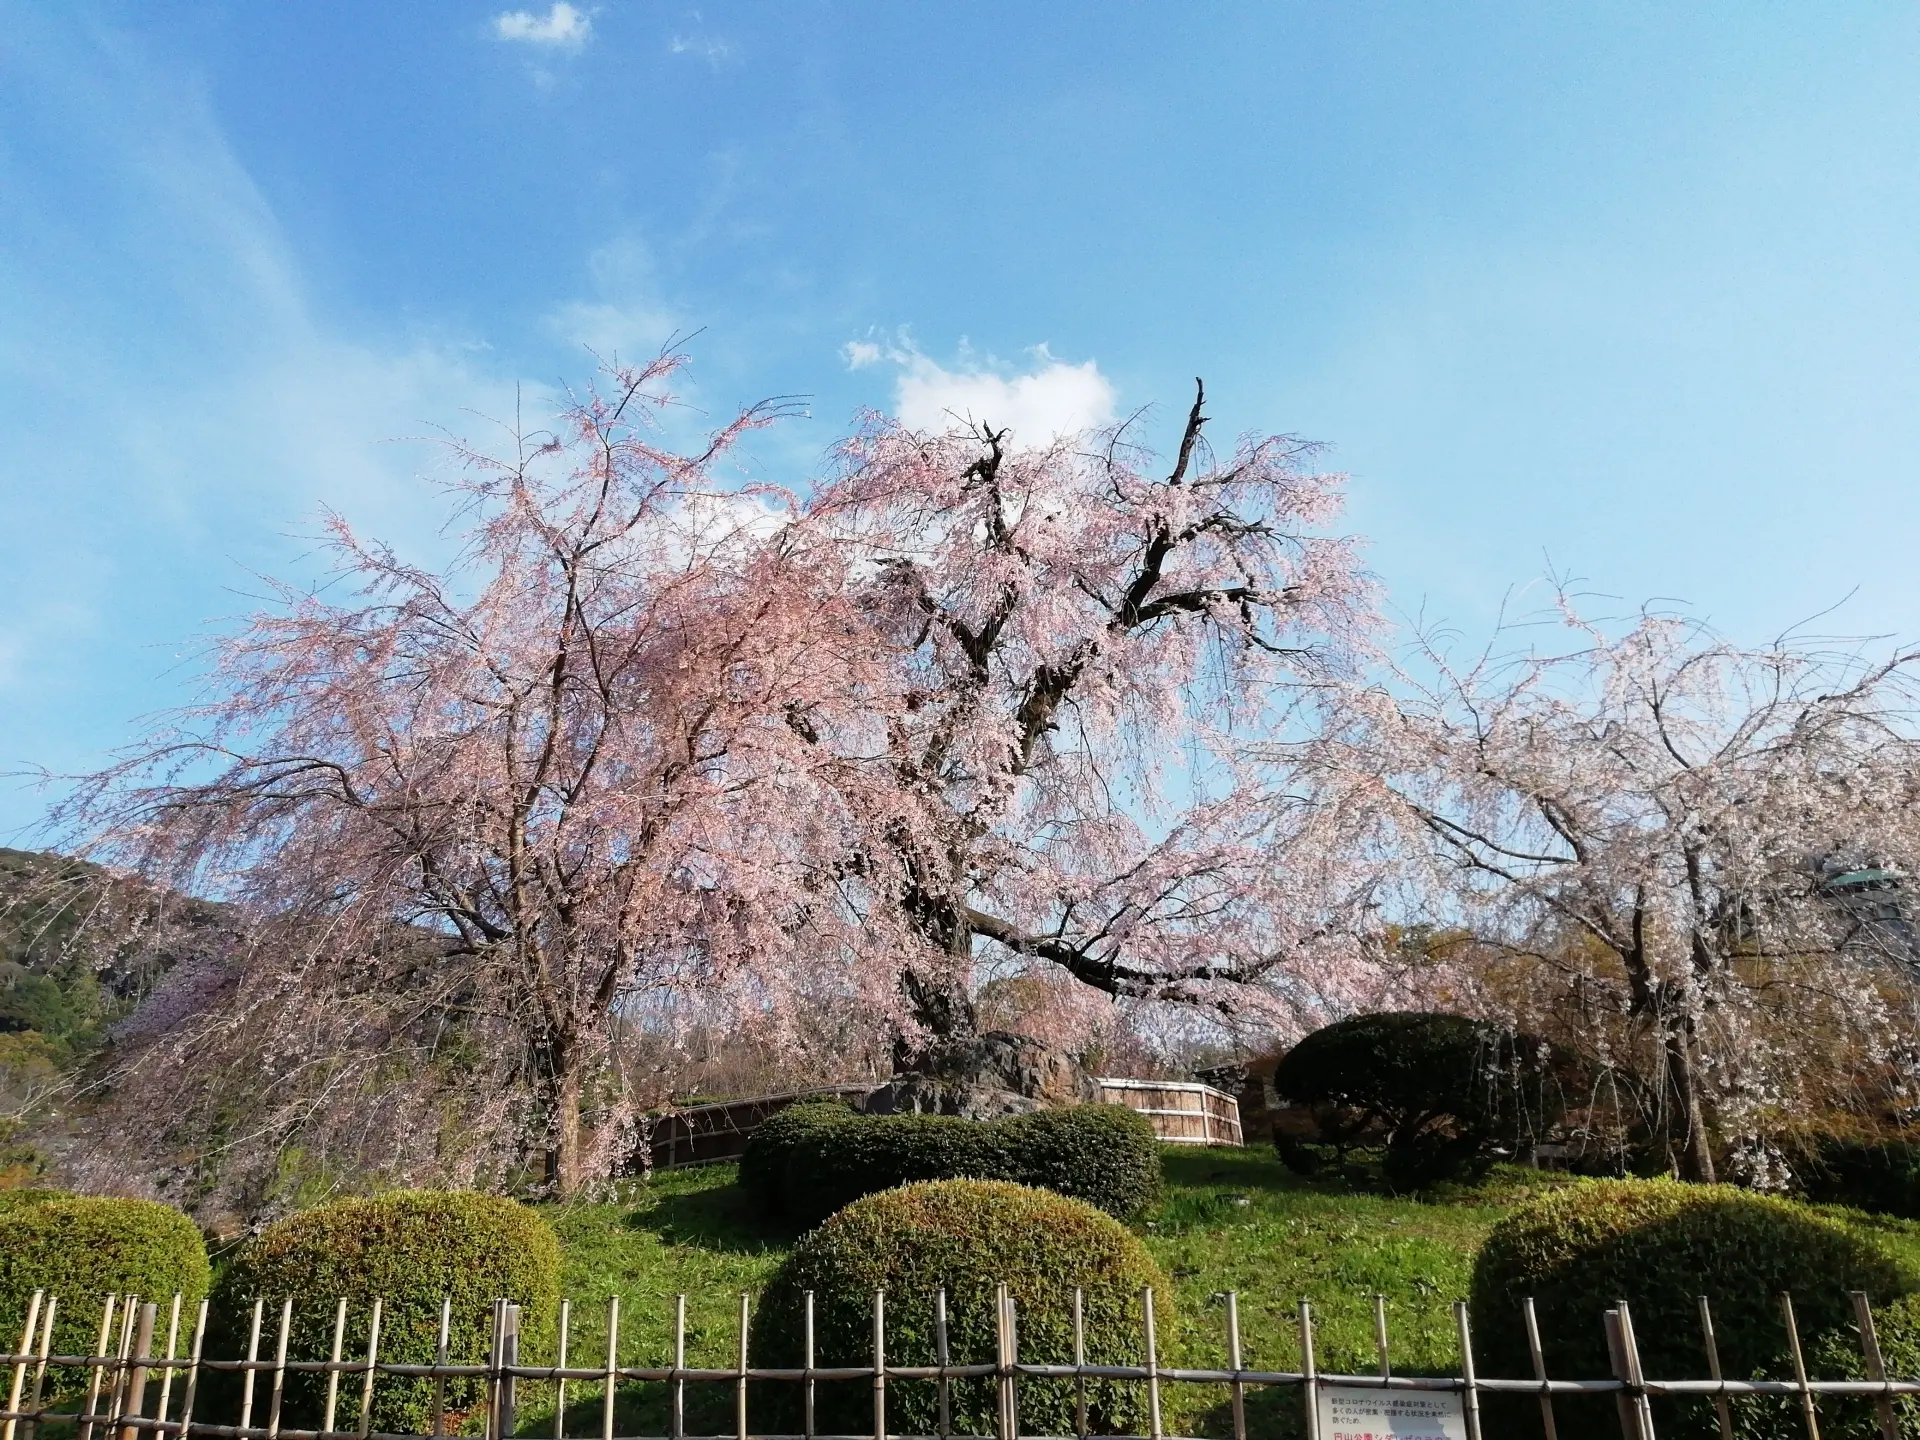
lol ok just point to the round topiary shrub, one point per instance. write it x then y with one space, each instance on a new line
1659 1245
83 1248
965 1236
408 1249
1443 1095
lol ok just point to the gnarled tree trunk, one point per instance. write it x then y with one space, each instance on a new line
1684 1118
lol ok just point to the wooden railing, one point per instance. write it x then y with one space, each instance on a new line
1182 1112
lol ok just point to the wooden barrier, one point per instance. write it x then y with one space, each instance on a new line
705 1134
1183 1112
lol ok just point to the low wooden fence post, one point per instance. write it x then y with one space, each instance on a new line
136 1402
27 1337
1876 1366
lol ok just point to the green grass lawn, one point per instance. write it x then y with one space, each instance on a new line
1232 1220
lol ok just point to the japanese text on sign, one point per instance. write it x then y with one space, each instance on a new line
1350 1413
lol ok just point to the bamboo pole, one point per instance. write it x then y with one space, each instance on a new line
166 1377
1723 1412
1380 1335
806 1360
944 1419
879 1365
373 1364
27 1336
333 1365
613 1361
279 1370
96 1362
1876 1366
1154 1419
1799 1368
40 1365
1471 1384
441 1349
253 1357
1539 1358
740 1383
1079 1362
193 1372
1002 1364
135 1394
1309 1380
1235 1361
560 1381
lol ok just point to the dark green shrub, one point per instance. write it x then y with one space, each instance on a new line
1659 1245
826 1158
83 1248
1106 1155
835 1165
1882 1175
1444 1096
408 1249
763 1167
965 1236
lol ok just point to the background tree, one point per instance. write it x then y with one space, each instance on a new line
1442 1094
1657 824
1075 633
472 814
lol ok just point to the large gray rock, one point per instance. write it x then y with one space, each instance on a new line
985 1076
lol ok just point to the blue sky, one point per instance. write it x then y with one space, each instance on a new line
1633 291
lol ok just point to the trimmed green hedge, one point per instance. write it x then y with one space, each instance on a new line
763 1166
83 1248
809 1161
1659 1245
965 1236
408 1249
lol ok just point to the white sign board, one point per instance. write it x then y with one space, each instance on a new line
1350 1413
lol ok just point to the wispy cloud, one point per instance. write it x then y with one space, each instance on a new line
697 41
562 27
713 50
1038 404
625 317
237 408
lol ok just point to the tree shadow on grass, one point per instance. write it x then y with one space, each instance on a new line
1256 1167
720 1219
1273 1413
646 1408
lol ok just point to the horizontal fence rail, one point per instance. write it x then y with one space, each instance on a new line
137 1386
1182 1112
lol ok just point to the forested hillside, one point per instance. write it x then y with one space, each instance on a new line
79 948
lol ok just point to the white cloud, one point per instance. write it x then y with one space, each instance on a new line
562 26
238 406
707 47
625 317
1038 405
